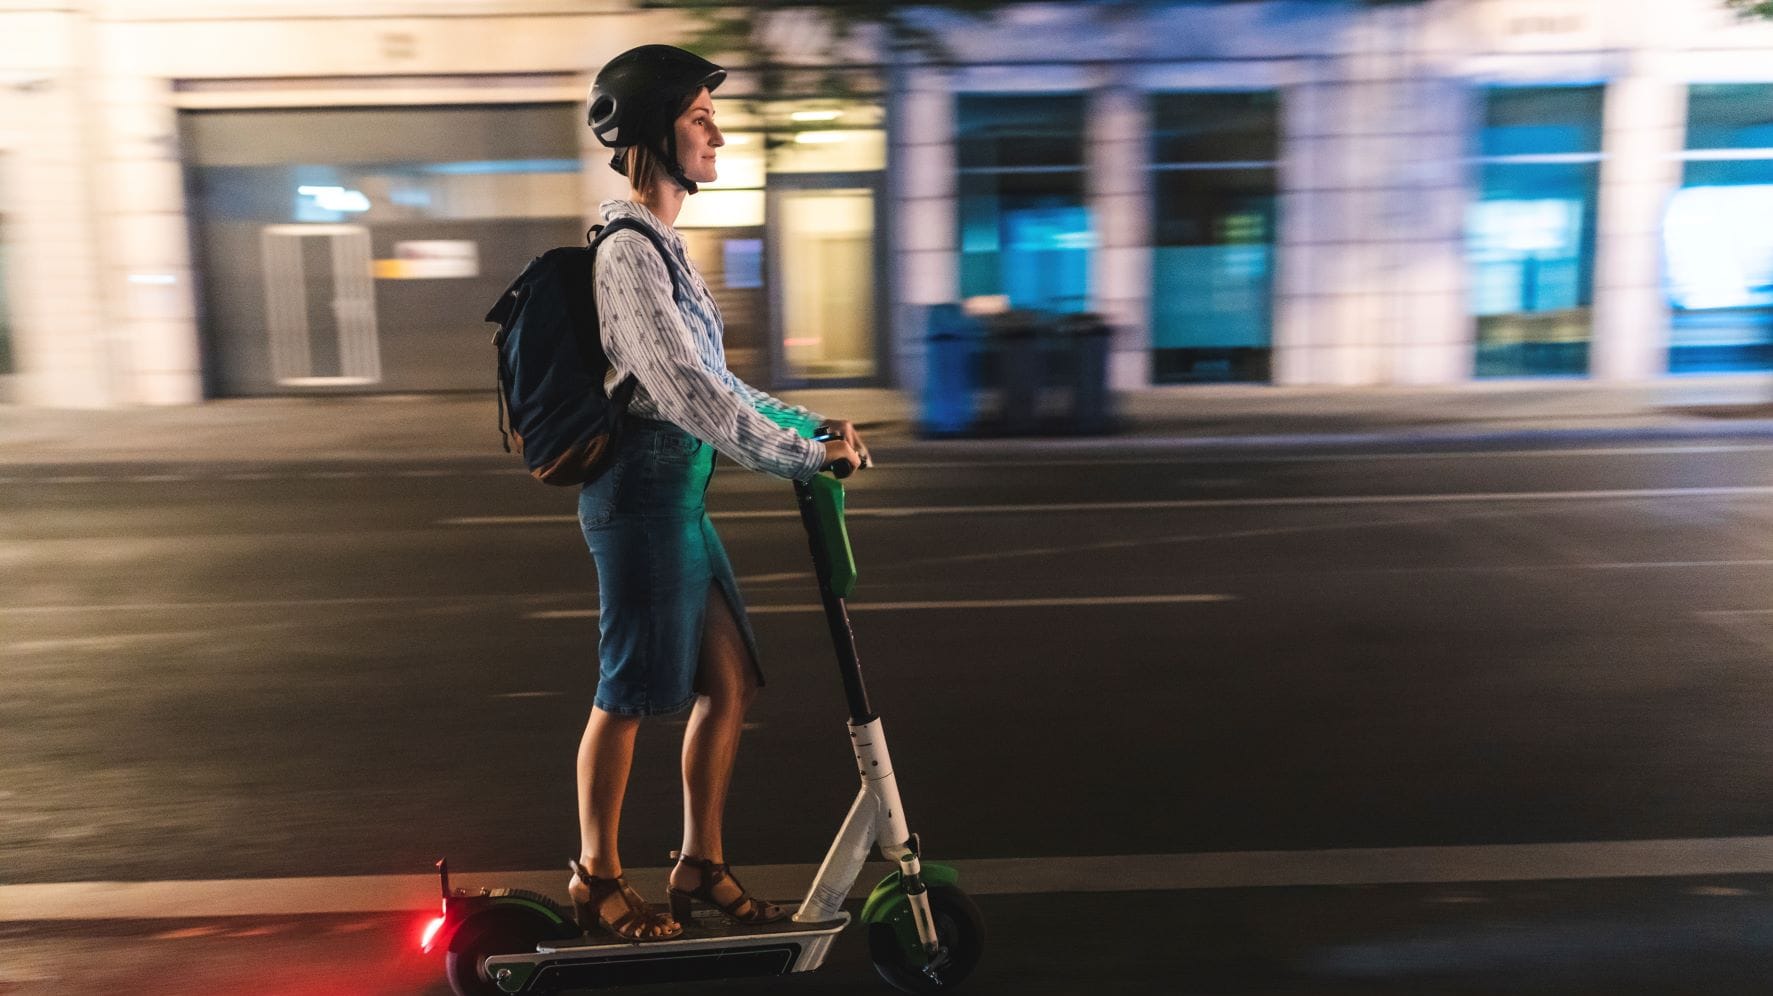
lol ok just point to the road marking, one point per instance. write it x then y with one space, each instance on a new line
528 695
270 603
1717 890
996 603
1196 458
776 578
910 511
1735 612
979 876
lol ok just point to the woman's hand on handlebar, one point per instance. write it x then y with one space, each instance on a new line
841 458
846 430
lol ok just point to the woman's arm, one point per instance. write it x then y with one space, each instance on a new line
645 336
782 413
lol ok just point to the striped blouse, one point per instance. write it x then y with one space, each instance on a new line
673 348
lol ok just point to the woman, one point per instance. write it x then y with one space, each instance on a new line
674 631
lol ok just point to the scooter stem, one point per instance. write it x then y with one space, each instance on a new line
821 512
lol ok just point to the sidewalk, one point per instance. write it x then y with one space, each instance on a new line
458 426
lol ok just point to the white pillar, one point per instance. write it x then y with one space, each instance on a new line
145 267
1644 130
924 212
1116 149
59 352
1370 271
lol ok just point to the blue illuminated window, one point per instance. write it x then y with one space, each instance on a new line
1717 234
1024 229
1530 236
1213 183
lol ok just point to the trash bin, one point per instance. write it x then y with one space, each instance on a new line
1087 337
949 372
1015 336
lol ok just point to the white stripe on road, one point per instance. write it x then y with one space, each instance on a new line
908 511
1200 457
997 603
980 876
276 603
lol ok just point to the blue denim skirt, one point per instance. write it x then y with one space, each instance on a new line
657 554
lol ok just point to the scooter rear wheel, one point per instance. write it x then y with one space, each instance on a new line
497 931
960 928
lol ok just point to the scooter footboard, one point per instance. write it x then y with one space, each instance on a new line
778 949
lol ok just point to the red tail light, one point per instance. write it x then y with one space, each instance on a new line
430 934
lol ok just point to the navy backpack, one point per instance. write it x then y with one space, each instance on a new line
552 364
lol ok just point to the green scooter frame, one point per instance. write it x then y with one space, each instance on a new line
924 934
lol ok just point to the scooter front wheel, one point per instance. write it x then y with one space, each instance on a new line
497 931
960 929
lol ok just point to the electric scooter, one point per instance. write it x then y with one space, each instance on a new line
924 934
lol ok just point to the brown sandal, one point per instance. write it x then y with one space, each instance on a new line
744 909
637 923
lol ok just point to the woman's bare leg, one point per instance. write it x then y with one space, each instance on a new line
606 753
727 683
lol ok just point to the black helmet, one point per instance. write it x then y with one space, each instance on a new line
638 96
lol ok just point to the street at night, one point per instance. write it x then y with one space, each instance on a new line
1270 720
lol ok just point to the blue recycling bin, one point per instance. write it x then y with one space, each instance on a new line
949 372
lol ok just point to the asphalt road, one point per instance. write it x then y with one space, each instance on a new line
1607 938
221 672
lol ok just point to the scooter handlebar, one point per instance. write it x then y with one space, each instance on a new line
840 468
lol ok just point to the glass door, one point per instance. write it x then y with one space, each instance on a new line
320 305
826 279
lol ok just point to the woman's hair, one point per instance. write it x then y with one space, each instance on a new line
644 168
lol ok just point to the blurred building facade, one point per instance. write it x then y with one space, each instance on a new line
204 198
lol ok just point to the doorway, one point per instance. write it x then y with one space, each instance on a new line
320 305
827 286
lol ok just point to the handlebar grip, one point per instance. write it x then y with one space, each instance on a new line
840 469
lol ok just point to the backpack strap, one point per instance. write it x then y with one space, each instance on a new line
599 233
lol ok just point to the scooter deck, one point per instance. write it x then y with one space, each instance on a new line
706 925
707 950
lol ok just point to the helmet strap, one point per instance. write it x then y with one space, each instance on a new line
675 168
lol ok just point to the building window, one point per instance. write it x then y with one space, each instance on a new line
356 249
1530 236
1024 229
1718 233
786 238
1213 179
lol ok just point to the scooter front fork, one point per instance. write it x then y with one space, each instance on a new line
893 834
917 895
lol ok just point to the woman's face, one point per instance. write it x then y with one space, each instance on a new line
697 138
